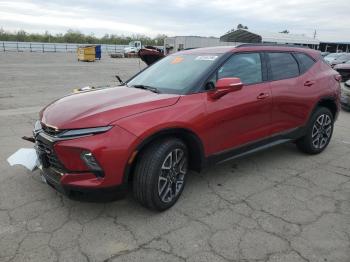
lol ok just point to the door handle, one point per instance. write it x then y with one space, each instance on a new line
263 96
309 83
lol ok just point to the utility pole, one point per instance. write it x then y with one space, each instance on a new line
315 34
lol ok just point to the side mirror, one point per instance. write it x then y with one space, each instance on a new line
225 86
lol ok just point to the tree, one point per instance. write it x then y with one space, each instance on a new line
240 26
159 39
74 36
284 31
21 36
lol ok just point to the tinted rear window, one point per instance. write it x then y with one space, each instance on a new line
283 66
305 62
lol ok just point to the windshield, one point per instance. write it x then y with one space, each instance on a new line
175 74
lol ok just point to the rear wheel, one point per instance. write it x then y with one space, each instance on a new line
160 174
319 132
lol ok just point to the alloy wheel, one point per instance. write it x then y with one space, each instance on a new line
172 175
321 131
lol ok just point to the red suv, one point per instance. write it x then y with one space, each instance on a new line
189 110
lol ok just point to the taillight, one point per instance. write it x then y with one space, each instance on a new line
337 77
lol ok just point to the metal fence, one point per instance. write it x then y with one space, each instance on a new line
6 46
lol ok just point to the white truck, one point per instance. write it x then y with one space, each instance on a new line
134 47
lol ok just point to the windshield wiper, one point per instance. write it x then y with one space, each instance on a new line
150 88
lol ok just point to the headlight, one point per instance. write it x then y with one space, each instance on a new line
84 131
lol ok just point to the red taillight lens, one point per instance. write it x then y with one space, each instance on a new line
337 78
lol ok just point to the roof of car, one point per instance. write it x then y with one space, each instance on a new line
251 47
209 50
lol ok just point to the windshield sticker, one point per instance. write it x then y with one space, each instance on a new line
177 60
207 57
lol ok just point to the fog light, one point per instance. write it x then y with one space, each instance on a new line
91 162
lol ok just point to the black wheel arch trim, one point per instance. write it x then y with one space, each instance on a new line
325 101
196 149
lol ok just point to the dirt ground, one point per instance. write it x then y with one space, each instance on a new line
277 205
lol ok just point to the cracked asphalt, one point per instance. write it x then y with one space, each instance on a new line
277 205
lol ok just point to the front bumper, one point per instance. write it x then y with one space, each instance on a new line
111 149
53 178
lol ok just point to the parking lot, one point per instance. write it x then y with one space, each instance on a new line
277 205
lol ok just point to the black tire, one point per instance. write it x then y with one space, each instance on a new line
309 143
151 173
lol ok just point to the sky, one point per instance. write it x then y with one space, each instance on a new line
330 18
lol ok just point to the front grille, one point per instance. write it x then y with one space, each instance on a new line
50 130
48 156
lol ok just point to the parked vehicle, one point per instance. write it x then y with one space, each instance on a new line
150 54
332 56
325 53
341 59
134 47
343 70
345 96
185 112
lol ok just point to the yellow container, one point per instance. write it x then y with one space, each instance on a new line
86 53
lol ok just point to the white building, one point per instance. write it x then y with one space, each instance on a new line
246 36
176 43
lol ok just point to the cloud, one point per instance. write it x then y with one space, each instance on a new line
179 17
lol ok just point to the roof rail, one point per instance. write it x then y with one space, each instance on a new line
267 44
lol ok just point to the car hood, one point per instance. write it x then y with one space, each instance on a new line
329 59
342 66
336 61
102 107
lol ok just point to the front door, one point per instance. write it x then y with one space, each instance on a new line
242 116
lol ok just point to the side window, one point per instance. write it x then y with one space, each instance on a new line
283 66
246 66
305 62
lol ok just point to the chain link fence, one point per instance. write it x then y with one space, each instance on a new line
6 46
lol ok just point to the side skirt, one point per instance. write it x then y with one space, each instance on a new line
256 146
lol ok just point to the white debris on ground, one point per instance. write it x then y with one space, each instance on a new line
26 157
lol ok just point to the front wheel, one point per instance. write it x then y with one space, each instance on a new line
160 174
319 132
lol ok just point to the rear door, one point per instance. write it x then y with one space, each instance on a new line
292 89
242 116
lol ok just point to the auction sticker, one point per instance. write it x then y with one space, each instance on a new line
207 57
177 60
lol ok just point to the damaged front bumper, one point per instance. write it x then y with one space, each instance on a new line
63 168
